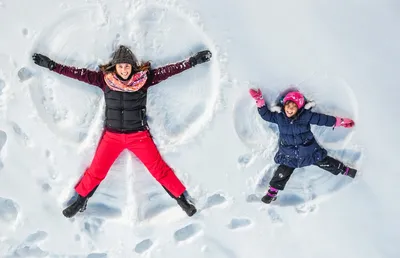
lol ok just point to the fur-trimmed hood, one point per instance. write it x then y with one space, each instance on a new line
278 108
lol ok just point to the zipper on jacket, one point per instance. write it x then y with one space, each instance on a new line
122 110
142 114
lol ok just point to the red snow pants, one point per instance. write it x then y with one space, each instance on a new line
142 145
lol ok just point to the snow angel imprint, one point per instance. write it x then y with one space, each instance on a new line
124 82
297 145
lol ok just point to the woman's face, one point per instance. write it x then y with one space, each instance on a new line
124 70
290 108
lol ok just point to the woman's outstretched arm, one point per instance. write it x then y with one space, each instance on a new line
162 73
81 74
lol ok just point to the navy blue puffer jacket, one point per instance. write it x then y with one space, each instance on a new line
297 145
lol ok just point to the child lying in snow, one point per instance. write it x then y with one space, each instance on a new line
297 145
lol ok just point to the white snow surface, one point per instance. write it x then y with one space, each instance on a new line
344 55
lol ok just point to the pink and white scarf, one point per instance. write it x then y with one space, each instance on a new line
137 81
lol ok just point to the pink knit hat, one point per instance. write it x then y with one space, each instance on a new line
296 97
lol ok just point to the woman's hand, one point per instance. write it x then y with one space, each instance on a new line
43 61
200 57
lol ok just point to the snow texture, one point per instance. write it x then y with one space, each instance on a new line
343 55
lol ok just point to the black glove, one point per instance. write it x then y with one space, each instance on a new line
200 57
44 61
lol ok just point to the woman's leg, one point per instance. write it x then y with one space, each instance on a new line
142 145
110 146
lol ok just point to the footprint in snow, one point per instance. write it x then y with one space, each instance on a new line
21 135
143 246
252 198
246 160
3 140
97 255
236 223
46 187
187 232
306 208
24 74
25 32
274 216
36 237
93 225
214 200
29 248
29 251
8 211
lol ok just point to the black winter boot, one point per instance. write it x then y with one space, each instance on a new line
79 205
186 206
351 172
270 196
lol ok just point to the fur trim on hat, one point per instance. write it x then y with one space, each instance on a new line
278 109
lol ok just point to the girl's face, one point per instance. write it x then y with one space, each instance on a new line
124 70
290 109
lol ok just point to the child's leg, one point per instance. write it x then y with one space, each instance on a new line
336 167
281 177
278 182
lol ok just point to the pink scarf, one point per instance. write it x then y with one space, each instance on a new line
137 81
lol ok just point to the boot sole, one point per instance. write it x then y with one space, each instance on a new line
192 213
269 201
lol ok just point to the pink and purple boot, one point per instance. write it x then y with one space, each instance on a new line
270 196
351 172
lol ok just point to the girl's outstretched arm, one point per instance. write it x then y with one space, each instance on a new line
326 120
268 115
322 119
263 110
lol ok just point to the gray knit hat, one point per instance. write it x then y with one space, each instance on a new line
124 55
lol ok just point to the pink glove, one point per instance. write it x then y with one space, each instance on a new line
257 95
345 122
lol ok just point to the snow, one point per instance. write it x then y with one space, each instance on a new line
344 55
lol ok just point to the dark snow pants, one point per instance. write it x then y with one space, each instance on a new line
283 173
142 145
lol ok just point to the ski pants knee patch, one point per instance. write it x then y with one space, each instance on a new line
331 165
281 177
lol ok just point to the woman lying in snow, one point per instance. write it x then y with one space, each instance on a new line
297 145
125 83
